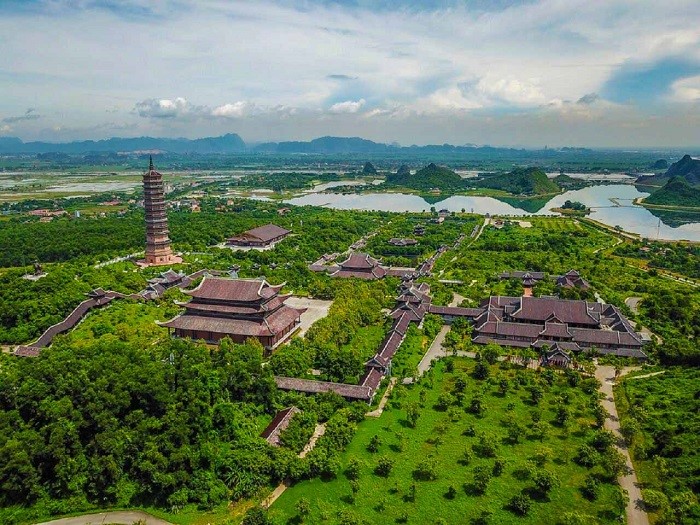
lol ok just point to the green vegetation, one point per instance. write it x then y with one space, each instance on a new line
427 178
676 192
455 449
679 258
660 418
115 424
521 181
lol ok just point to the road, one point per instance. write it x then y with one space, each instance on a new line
636 515
125 517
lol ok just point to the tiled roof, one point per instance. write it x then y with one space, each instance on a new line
358 261
271 325
266 233
278 424
238 290
315 387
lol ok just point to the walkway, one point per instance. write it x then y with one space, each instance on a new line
636 515
121 517
434 352
279 489
380 408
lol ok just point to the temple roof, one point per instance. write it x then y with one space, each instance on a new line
238 290
266 233
271 325
359 261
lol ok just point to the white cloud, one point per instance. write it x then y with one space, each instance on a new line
164 108
349 106
388 66
686 90
236 110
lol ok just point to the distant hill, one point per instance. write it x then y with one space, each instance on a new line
369 169
325 145
676 192
403 171
522 181
432 176
230 143
687 168
661 164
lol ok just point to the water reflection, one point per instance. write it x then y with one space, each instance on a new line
611 204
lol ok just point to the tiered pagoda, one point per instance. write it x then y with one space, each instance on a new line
236 308
158 251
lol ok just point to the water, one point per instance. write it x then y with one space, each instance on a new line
618 212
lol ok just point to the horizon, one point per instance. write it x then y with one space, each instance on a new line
524 74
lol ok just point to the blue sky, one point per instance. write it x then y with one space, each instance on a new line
527 73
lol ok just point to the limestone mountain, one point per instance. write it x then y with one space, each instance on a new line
430 177
521 181
676 192
687 168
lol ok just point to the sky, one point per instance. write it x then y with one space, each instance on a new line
596 73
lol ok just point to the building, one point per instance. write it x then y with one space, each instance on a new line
236 308
543 321
572 279
279 424
361 266
402 242
158 251
260 237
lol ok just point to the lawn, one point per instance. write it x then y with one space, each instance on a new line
437 446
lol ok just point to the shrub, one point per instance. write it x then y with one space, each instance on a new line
374 443
384 466
590 488
482 477
520 504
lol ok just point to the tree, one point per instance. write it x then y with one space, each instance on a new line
482 477
451 492
255 516
536 394
481 370
353 470
374 443
384 466
412 414
303 508
520 504
545 481
490 353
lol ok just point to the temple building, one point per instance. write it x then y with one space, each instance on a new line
158 251
261 237
540 322
236 308
572 279
360 265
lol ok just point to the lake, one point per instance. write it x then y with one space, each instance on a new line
611 205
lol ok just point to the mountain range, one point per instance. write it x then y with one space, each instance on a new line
687 168
232 143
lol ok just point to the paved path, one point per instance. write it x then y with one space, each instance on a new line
378 411
315 309
279 490
633 303
652 374
635 510
456 299
103 518
434 352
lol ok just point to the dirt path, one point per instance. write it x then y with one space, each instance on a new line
126 517
652 374
635 510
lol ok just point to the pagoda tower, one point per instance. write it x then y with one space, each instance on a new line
158 251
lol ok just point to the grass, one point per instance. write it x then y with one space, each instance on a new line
440 436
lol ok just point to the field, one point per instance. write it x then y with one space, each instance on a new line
445 444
